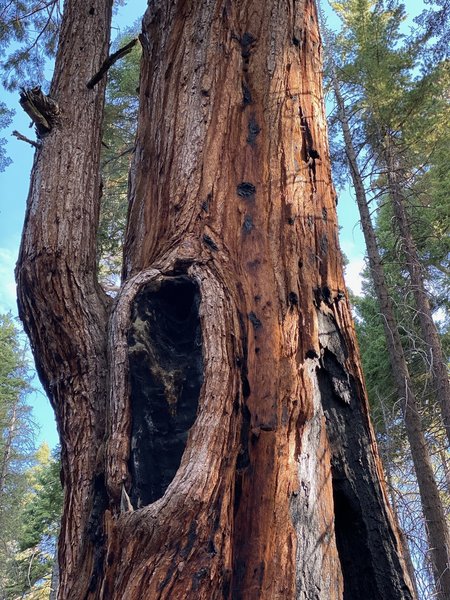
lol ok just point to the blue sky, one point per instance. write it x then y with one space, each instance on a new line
13 192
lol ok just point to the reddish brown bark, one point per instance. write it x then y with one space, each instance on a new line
237 423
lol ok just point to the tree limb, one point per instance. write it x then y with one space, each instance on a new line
42 109
23 138
108 63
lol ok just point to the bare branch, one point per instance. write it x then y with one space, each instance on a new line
108 63
23 138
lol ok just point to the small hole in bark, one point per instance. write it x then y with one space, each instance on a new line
210 242
326 293
253 130
197 577
290 221
206 203
254 320
311 354
166 375
246 190
295 41
293 299
247 39
211 548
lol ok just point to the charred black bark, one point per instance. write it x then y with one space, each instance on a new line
166 375
364 537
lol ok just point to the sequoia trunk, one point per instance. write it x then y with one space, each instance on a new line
239 459
437 529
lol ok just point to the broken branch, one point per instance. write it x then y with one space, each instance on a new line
42 109
23 138
108 63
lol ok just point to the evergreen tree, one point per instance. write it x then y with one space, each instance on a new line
16 445
376 89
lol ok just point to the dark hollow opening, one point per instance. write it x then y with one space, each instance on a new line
166 375
369 562
351 541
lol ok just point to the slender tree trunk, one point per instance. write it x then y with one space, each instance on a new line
445 466
54 583
239 460
438 536
387 462
61 305
7 449
438 363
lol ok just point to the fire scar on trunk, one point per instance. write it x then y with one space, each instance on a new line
166 375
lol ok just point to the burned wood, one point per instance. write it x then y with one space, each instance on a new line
42 109
108 63
310 153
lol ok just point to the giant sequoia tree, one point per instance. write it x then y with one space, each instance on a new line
213 420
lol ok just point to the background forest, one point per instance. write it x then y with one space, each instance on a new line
387 83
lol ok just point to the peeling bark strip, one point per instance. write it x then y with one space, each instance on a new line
225 440
166 374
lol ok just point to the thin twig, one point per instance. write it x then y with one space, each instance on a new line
124 153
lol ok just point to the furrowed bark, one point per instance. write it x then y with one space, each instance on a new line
429 493
231 190
61 305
